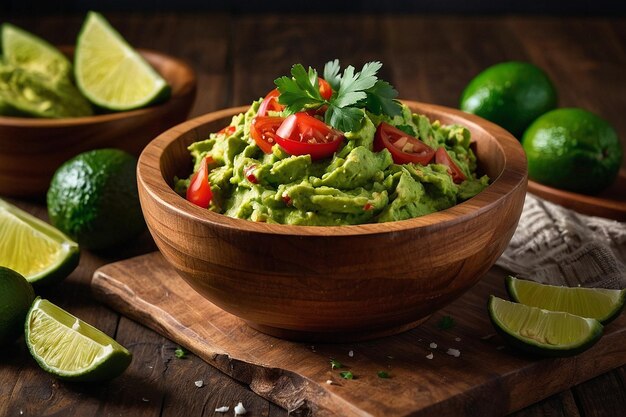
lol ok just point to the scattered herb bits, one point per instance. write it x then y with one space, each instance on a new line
346 375
383 374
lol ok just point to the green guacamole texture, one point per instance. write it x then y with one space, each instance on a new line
356 185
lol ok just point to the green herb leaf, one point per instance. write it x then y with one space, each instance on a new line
408 129
331 74
300 91
346 119
180 353
346 375
446 323
381 99
352 92
383 374
335 364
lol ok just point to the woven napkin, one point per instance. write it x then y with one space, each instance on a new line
554 245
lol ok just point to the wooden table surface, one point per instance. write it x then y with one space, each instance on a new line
427 57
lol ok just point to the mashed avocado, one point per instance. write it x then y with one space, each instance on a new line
355 185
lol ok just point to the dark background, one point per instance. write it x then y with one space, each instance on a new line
552 7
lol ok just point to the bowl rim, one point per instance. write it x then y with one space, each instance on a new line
188 87
513 176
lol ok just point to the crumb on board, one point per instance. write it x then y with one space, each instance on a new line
329 381
240 409
454 352
351 353
430 356
433 345
222 409
199 383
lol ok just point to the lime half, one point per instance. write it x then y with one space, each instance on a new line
543 332
71 349
110 73
597 303
27 51
32 247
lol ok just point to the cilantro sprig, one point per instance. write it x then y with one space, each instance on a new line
352 92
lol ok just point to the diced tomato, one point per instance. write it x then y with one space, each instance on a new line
368 207
287 199
228 130
442 157
199 190
325 89
263 131
302 134
249 173
404 148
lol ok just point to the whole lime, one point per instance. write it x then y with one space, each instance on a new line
16 296
93 198
510 94
572 149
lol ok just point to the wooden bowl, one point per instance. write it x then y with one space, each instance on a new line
339 283
32 149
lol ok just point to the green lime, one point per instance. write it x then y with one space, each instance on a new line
601 304
16 296
110 73
572 149
27 51
510 94
34 248
93 198
71 349
27 93
543 332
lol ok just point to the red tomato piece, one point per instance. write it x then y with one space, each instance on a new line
404 148
442 157
270 102
326 90
263 131
199 191
302 134
227 131
249 173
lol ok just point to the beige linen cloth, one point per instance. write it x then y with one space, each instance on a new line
558 246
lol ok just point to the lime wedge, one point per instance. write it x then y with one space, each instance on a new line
71 349
27 51
110 73
543 332
35 249
601 304
26 93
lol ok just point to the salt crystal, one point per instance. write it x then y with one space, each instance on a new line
240 409
199 383
454 352
351 353
457 339
145 400
430 356
433 345
222 409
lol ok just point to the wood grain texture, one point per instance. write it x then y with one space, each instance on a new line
311 283
32 149
487 379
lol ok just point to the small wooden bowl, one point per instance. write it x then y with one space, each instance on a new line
32 149
339 283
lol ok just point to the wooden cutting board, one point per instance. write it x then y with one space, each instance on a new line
486 379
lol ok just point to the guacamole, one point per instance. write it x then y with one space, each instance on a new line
354 185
